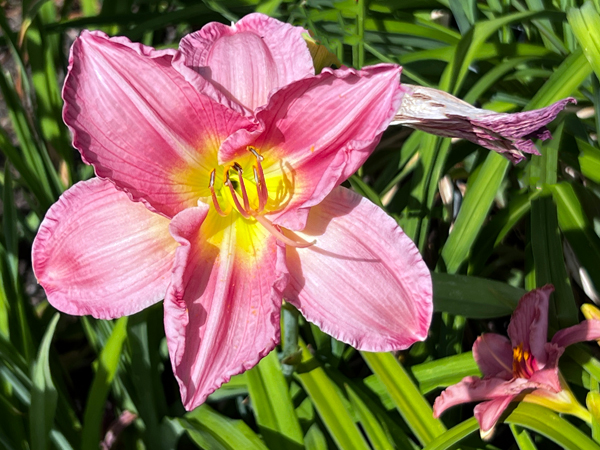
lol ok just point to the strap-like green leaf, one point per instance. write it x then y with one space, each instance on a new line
272 404
108 362
415 410
549 424
209 429
329 404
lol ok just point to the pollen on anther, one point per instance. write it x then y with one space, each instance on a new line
255 153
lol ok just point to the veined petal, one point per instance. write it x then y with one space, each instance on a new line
249 59
529 322
588 330
488 413
140 124
494 356
440 113
474 389
318 131
221 310
547 376
99 253
364 281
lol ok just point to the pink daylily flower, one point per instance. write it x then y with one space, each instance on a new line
522 368
225 200
442 114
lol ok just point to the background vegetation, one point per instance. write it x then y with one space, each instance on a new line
488 230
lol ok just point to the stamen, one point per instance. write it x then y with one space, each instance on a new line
238 205
279 235
242 186
262 199
211 186
253 150
259 175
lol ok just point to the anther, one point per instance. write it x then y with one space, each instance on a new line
211 186
253 150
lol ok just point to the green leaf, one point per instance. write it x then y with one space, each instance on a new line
577 229
564 81
369 422
589 160
548 258
211 430
365 190
413 408
444 371
498 227
329 403
272 404
585 23
108 361
522 438
453 435
474 210
547 423
315 439
43 393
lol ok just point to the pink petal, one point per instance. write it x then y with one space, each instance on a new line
221 310
494 356
318 131
488 413
99 253
475 389
248 60
547 377
440 113
529 322
140 124
588 330
363 281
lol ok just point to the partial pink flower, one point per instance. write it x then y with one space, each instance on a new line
224 210
524 367
442 114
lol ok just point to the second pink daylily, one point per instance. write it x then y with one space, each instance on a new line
524 367
223 202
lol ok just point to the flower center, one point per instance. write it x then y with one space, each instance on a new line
237 182
248 205
524 364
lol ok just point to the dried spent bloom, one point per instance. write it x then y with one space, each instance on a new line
440 113
224 198
524 368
